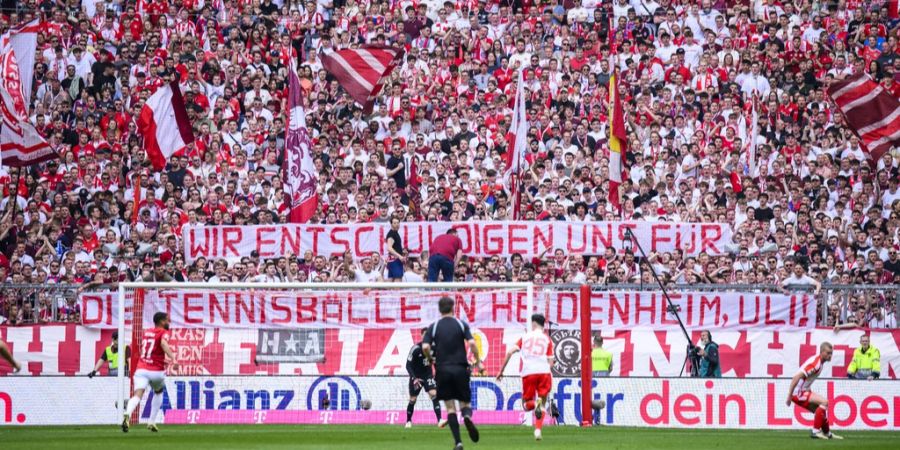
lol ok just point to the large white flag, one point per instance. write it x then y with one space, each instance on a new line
22 42
517 140
20 143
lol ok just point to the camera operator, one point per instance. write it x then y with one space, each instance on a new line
708 351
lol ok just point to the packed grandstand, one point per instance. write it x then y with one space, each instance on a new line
806 202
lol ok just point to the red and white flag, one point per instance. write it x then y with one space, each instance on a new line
618 142
362 71
517 137
21 41
870 111
517 140
165 125
20 143
300 177
893 9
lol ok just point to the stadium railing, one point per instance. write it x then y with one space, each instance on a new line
49 303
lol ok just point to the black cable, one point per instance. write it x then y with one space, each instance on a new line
671 306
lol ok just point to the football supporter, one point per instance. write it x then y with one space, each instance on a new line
795 183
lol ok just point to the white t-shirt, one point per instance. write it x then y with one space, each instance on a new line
803 280
412 277
535 347
363 277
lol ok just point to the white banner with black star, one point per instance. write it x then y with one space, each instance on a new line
290 346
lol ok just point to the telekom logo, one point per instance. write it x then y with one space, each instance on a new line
259 416
8 410
393 417
193 416
326 416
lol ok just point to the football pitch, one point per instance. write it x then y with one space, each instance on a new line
196 437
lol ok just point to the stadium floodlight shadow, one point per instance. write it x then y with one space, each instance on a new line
692 350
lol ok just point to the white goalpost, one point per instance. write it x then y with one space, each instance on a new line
311 352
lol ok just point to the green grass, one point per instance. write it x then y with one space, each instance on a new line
197 437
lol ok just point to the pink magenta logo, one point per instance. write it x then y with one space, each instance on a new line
8 409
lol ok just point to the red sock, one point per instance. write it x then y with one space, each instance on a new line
825 427
529 405
538 423
819 419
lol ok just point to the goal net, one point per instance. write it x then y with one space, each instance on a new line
315 353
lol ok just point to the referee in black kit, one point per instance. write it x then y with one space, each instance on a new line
445 343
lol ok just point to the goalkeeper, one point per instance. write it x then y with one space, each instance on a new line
420 376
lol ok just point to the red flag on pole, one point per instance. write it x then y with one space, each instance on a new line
300 176
362 71
136 186
870 111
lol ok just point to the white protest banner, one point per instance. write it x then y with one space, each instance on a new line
405 309
479 238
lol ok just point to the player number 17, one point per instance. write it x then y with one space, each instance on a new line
148 349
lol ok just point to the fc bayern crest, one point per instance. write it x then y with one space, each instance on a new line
567 350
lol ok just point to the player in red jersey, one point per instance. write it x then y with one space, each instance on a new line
151 369
804 397
537 357
5 354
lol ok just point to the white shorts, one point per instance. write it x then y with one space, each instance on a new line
156 379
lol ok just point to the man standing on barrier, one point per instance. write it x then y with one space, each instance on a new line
866 364
709 356
445 251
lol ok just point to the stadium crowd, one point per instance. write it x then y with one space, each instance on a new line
811 208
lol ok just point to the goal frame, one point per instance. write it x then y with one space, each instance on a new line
124 287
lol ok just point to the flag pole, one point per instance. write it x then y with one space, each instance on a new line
517 210
15 195
137 197
754 116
